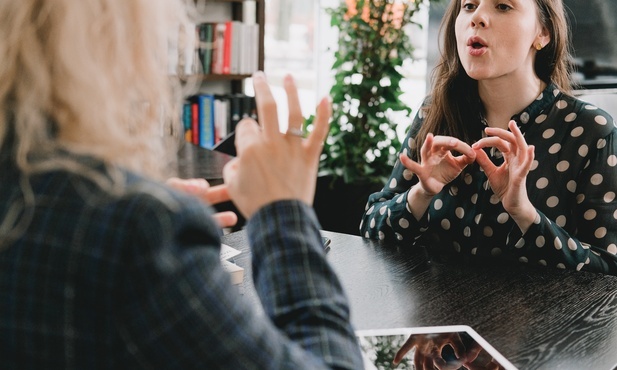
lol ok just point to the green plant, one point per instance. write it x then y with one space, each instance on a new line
362 144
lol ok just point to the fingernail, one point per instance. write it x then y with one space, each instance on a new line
259 75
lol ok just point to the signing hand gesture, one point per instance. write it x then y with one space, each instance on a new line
272 166
438 166
209 194
508 180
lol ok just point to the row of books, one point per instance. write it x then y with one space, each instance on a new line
230 47
209 118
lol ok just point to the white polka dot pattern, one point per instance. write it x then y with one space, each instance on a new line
572 183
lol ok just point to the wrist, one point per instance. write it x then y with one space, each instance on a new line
418 201
526 218
418 192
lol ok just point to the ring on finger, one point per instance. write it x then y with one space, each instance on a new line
295 132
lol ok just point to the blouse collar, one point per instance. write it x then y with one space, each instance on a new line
544 101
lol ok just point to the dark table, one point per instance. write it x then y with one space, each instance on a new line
537 318
197 162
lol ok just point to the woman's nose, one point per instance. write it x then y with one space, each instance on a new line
479 19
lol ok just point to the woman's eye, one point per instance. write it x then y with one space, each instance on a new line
504 7
469 6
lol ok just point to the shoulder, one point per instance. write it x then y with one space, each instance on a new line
111 207
421 113
582 117
158 211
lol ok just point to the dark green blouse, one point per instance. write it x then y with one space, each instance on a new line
572 184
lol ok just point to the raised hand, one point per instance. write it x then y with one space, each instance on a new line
438 166
272 166
210 194
508 180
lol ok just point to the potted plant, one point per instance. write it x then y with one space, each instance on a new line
362 144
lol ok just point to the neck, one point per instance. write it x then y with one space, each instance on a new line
503 98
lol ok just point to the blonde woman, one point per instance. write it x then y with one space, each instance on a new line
104 266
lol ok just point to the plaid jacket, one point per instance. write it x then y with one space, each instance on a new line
94 280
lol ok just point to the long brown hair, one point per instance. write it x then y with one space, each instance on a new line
454 106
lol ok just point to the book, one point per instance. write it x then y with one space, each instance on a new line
251 39
249 107
194 122
227 36
206 46
186 121
218 51
236 56
236 272
206 120
235 110
221 113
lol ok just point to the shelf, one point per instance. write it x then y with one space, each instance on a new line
222 77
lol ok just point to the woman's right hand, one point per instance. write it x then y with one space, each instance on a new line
272 166
438 165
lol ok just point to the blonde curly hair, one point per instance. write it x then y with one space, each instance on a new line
89 77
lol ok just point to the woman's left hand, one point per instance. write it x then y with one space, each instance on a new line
209 194
509 179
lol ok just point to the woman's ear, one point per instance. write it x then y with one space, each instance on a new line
542 39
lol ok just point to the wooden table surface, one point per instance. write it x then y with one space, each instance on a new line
537 318
197 162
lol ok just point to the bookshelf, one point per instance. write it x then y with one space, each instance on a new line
195 160
227 46
235 11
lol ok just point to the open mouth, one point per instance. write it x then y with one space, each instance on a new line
476 42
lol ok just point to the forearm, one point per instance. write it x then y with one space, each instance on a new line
548 244
298 288
418 201
388 217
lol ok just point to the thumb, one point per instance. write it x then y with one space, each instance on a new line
247 132
484 161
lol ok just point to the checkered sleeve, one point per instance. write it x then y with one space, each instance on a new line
180 310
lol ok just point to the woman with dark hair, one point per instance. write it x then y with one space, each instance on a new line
501 161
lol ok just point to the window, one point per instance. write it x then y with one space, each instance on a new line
300 41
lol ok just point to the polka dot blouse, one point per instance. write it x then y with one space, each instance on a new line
572 184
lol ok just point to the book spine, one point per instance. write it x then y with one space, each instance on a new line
235 111
208 47
206 121
236 46
251 42
227 47
186 121
195 122
254 47
219 48
220 125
